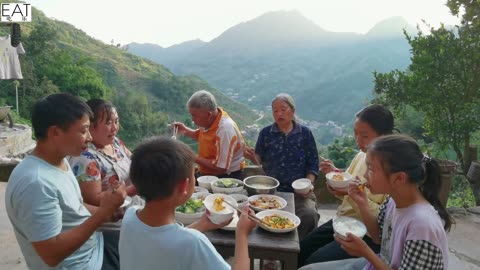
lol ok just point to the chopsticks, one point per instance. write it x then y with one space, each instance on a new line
174 130
251 217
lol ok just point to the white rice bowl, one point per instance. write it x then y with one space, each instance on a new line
218 217
344 225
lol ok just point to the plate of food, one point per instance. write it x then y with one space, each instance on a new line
262 202
278 221
227 186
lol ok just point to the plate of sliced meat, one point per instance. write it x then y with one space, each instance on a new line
262 202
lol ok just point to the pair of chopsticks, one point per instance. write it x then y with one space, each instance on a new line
174 129
251 217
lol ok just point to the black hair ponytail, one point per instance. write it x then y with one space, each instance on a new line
430 189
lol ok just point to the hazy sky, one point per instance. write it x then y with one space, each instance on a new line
170 22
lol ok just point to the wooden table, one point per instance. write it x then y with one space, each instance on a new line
262 244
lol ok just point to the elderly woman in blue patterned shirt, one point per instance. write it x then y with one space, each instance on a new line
287 151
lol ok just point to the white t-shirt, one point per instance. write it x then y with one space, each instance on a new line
169 247
9 62
43 201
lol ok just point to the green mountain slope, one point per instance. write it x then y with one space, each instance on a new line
61 57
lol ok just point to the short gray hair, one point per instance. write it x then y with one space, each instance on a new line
286 98
202 100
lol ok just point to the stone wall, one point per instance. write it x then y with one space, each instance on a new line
15 141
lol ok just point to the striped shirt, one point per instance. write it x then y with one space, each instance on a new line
222 143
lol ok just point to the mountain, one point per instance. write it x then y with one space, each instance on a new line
62 58
328 73
165 56
391 27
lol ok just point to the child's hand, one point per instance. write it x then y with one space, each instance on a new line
354 245
358 195
245 225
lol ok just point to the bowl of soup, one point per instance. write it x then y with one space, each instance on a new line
260 184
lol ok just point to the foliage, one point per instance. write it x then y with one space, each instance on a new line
140 118
61 58
342 152
461 194
442 83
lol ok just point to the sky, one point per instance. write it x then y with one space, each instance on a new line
174 21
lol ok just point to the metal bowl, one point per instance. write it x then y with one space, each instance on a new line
260 184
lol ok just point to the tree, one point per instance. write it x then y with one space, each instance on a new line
442 81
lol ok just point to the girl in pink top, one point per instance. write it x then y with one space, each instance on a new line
412 222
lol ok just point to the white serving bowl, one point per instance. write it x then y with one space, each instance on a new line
281 200
343 225
188 219
225 214
302 186
241 199
339 184
292 217
200 189
206 180
230 190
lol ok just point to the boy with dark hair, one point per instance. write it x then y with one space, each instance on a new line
54 228
162 170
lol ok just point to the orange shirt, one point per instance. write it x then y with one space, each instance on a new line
223 143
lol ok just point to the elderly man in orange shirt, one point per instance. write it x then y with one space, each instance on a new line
220 143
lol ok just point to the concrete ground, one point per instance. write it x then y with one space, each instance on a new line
463 240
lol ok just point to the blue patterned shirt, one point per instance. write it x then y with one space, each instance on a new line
287 157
